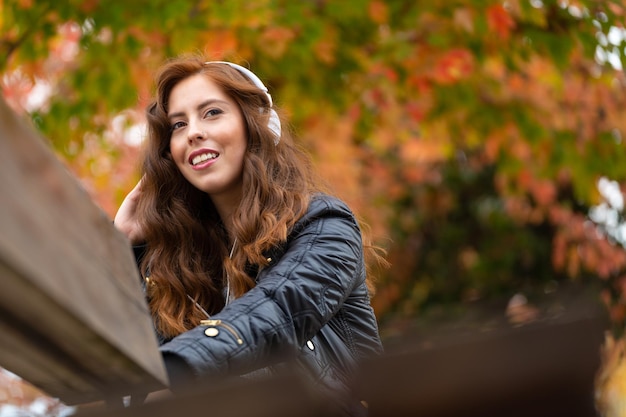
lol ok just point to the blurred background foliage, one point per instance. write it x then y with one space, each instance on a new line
472 135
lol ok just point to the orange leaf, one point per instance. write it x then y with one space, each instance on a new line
493 146
500 21
417 151
385 71
88 6
378 12
276 40
325 51
25 4
420 83
454 66
544 192
464 18
220 43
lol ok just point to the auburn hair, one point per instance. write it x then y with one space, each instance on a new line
187 244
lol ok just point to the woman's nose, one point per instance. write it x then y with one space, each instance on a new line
196 133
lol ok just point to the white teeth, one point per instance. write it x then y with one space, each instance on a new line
203 157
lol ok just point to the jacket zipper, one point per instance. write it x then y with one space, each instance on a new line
219 323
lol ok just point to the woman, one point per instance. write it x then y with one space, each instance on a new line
247 262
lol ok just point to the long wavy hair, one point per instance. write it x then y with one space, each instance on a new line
188 245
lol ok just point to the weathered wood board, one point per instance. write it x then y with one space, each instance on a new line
73 318
544 368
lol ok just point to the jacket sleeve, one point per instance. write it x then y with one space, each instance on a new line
294 298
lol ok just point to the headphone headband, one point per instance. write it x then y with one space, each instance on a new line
274 122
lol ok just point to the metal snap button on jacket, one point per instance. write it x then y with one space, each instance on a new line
211 332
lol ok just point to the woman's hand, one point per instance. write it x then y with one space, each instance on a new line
127 218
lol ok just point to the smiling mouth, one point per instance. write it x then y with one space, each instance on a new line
198 159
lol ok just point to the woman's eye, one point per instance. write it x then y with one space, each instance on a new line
212 112
178 125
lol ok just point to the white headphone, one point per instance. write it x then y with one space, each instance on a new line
274 122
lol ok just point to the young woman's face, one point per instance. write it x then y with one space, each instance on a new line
208 141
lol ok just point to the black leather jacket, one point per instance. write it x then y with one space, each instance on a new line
310 304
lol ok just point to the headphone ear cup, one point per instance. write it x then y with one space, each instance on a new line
274 125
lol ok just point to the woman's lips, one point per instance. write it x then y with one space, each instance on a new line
202 158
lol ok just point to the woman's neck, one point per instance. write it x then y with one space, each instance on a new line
226 206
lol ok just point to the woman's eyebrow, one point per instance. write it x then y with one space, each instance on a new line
198 107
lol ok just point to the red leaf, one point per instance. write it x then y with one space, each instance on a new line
454 66
416 111
420 83
500 21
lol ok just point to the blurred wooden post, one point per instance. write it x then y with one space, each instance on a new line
73 317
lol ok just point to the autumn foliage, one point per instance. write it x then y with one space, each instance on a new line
469 134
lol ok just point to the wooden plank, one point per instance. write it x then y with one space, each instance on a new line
546 372
277 396
544 368
541 369
72 313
